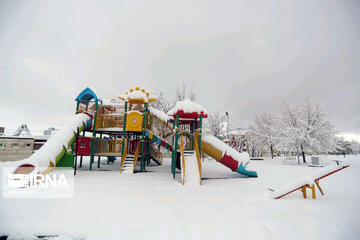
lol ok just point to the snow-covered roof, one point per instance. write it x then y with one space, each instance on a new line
138 95
187 107
159 114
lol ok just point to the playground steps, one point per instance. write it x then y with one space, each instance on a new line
192 176
156 155
128 165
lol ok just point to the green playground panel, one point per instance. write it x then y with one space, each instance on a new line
66 161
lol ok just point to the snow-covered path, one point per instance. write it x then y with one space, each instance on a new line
152 205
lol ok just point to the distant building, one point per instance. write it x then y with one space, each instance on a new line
50 131
2 131
39 141
14 148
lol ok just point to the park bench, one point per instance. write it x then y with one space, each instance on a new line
308 182
290 160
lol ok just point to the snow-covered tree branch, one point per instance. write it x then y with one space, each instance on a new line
215 123
302 128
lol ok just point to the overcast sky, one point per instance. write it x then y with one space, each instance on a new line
244 57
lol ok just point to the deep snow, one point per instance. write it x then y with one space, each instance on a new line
152 205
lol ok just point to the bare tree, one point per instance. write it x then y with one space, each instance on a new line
181 94
162 103
355 147
256 143
266 130
165 104
215 124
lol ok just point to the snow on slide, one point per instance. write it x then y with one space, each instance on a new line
55 148
307 180
192 175
226 155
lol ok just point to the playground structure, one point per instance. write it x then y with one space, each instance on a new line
134 131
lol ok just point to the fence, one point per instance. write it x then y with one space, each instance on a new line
107 121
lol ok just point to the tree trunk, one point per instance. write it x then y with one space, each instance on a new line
297 154
272 151
303 153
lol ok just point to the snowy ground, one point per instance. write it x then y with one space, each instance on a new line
152 205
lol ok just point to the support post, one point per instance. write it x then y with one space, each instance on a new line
174 153
77 147
77 108
81 157
93 136
143 141
200 133
99 156
147 152
123 142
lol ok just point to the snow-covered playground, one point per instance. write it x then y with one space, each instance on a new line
151 205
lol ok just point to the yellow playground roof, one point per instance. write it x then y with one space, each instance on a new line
138 96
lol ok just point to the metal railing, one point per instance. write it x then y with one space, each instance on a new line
107 121
157 154
136 155
124 155
159 128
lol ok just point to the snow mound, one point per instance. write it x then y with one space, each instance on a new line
159 114
192 175
187 106
134 111
112 102
65 135
73 124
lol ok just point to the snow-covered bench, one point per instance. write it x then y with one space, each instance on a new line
290 160
308 182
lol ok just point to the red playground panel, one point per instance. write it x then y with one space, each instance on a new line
84 146
132 146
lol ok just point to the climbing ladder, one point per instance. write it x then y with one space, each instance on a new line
128 165
128 162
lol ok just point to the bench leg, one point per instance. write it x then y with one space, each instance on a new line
321 191
313 191
303 189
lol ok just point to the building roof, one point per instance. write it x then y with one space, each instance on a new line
16 137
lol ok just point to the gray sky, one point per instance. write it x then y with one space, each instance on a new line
244 57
